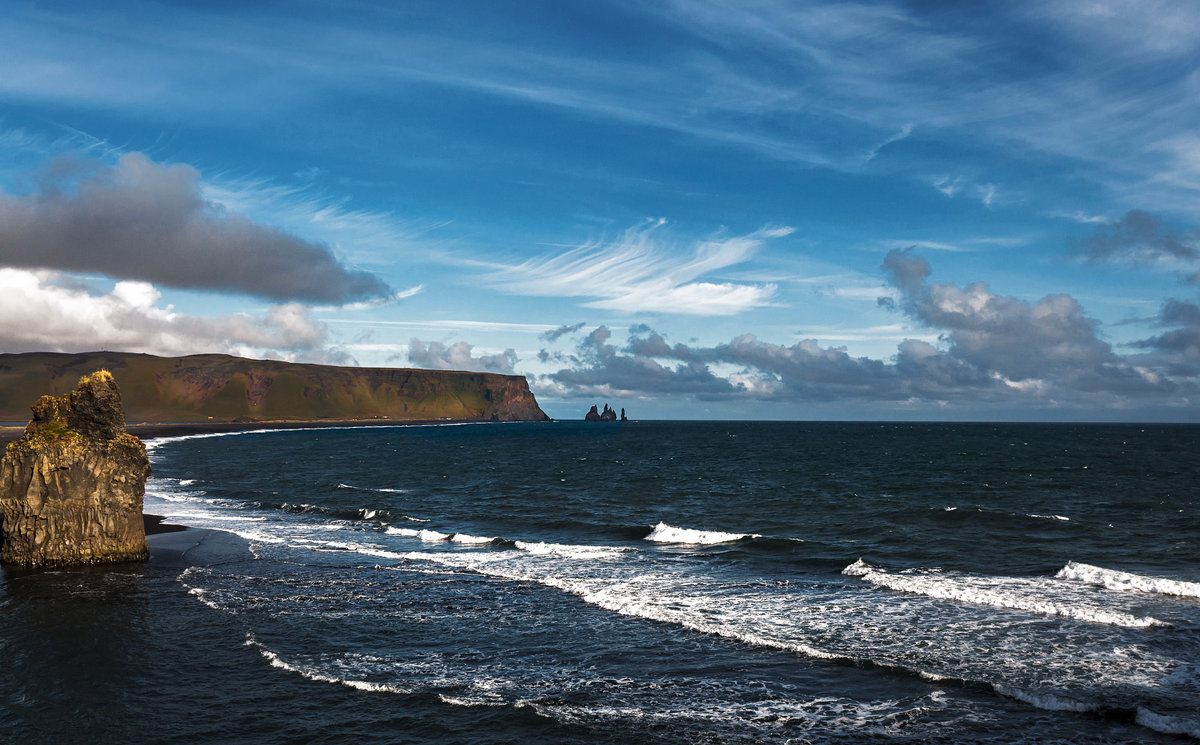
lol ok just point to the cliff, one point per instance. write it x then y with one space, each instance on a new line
71 488
221 387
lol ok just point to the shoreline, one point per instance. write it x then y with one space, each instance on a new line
155 524
150 430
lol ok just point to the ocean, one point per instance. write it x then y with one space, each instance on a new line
645 582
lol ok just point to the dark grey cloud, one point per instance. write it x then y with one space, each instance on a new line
994 350
1019 340
435 355
147 221
1182 342
905 270
561 331
602 368
1141 238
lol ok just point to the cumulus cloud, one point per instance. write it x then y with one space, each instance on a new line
1011 337
147 221
644 272
1141 238
438 356
992 350
43 313
600 368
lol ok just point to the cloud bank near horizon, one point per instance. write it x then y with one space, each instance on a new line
993 349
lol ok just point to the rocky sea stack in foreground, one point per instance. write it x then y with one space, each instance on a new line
71 488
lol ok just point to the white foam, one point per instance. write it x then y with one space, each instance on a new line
202 595
857 569
278 662
1112 579
471 539
1049 517
429 536
377 552
1166 724
568 551
663 533
252 535
998 592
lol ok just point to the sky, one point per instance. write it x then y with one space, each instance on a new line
703 209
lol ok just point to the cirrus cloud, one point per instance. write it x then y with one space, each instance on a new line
641 272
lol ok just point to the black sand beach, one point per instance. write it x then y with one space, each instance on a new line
148 430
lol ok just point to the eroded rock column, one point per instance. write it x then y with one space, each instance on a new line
71 488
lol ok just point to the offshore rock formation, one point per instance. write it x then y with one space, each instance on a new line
71 488
223 388
608 415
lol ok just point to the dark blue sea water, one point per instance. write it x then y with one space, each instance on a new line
644 582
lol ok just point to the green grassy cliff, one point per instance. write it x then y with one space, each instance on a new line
220 387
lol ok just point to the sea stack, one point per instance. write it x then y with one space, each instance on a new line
71 488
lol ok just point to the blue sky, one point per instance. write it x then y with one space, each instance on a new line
696 209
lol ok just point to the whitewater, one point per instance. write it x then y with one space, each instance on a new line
703 582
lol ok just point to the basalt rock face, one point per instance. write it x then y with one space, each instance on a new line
608 415
71 488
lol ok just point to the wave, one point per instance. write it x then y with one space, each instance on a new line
568 551
998 592
1112 579
472 540
663 533
278 662
338 513
1049 517
367 488
429 536
1044 701
154 443
1169 725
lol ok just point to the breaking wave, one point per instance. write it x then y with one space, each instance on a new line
999 592
663 533
312 674
1112 579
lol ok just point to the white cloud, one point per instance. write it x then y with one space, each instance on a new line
43 313
438 356
643 273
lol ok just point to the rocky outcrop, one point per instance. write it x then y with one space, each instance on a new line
608 415
71 488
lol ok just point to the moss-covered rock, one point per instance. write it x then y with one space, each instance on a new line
71 488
